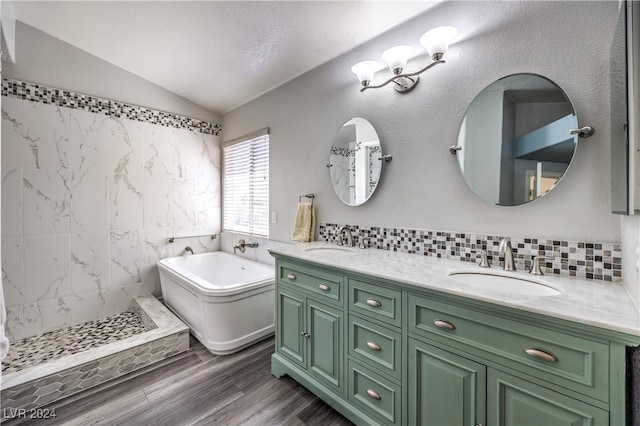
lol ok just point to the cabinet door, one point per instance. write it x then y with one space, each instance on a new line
516 402
289 335
444 389
324 326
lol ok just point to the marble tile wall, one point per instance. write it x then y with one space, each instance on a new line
88 200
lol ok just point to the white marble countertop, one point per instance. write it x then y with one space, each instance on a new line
602 304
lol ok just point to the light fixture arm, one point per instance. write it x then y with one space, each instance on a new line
404 75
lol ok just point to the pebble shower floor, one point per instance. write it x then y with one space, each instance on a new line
70 340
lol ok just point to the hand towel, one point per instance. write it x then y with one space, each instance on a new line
304 227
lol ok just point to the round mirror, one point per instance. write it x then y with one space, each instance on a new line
355 161
514 143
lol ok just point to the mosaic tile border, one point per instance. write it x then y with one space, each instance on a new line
588 260
64 98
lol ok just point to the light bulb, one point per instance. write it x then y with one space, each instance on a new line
397 57
437 41
365 71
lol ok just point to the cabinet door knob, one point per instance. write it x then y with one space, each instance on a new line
324 287
373 302
444 324
291 277
541 354
373 394
374 346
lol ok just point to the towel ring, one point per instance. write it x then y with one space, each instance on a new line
311 196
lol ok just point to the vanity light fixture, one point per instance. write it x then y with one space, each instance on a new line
436 41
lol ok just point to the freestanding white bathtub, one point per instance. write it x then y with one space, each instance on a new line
227 301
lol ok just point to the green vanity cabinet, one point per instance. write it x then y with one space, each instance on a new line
492 370
386 352
375 345
444 388
311 335
564 361
309 329
290 320
516 402
375 395
375 350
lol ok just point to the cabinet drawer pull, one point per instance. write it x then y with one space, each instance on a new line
373 394
324 287
373 302
374 346
541 354
291 277
444 324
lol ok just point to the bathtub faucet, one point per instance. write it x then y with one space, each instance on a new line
242 246
189 249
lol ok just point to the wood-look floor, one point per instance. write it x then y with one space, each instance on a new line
198 388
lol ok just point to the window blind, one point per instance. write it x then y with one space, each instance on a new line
246 184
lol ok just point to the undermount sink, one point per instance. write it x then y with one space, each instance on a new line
331 251
505 282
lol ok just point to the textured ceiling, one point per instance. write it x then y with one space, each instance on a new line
218 54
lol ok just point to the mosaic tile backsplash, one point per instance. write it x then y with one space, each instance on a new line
588 260
64 98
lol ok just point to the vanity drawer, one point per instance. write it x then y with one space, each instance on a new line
376 396
315 280
378 302
572 362
375 345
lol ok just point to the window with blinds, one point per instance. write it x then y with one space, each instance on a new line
246 184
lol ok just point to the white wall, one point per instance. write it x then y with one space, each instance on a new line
567 42
43 59
630 228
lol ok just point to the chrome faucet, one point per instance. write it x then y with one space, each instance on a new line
347 231
505 246
535 264
189 249
482 254
242 246
364 242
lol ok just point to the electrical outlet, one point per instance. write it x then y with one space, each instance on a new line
274 217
